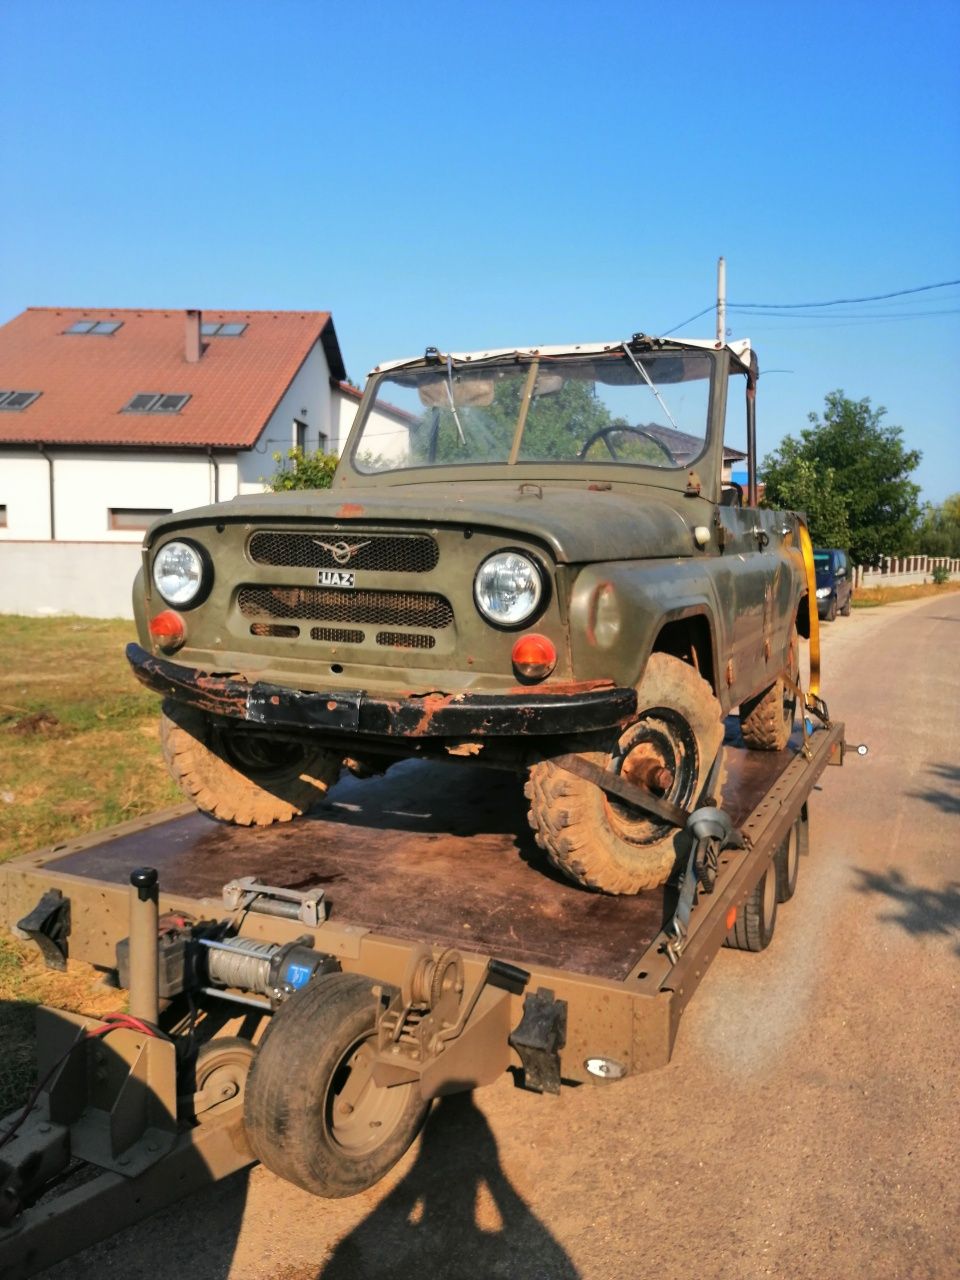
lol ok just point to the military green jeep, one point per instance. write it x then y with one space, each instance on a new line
525 555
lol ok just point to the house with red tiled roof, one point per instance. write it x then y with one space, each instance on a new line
110 417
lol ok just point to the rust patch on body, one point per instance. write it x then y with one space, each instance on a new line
349 509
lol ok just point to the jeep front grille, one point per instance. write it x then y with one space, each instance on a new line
326 604
392 553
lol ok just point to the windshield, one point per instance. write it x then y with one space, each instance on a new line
821 563
638 409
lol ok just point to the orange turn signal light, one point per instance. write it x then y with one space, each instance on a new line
534 657
168 629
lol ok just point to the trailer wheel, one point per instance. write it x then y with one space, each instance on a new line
766 722
603 843
757 918
314 1116
220 1076
241 777
787 863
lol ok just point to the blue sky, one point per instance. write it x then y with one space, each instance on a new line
486 174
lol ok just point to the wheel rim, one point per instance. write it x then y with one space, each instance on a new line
792 859
661 741
360 1115
222 1073
769 900
260 758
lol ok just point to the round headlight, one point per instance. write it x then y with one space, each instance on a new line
508 588
178 572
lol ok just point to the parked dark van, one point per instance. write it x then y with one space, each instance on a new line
834 582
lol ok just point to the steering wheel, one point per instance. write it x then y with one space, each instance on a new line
605 432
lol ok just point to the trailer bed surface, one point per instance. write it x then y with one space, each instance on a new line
427 853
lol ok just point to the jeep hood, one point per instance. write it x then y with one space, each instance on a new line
576 523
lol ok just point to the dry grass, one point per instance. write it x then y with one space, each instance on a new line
78 751
875 596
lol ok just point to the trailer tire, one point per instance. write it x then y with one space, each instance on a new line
766 722
600 842
240 777
753 928
787 863
297 1120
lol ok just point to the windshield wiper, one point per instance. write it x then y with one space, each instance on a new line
453 407
646 377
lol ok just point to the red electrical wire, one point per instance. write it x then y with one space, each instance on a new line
111 1022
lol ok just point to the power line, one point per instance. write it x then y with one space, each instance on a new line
689 320
838 302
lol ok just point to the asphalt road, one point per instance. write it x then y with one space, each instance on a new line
808 1125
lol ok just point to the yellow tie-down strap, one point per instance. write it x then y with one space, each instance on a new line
806 546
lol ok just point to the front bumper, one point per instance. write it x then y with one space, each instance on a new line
574 707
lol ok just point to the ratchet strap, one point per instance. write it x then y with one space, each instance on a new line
806 547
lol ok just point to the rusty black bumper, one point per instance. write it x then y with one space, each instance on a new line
576 707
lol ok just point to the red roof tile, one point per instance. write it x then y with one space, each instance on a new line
87 379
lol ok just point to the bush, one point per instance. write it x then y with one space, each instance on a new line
941 574
299 470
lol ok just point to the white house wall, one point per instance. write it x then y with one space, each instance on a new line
308 399
24 491
87 485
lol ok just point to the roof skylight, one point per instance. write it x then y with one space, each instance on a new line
95 326
230 330
13 401
155 402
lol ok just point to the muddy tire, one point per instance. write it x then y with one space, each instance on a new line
766 722
239 777
313 1114
597 840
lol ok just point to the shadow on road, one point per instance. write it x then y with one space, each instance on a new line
921 912
947 799
455 1214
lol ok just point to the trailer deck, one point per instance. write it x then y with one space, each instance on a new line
439 906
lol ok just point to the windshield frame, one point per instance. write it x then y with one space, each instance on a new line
634 471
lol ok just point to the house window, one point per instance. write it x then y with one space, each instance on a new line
3 515
13 401
231 330
321 442
95 326
300 434
135 517
155 402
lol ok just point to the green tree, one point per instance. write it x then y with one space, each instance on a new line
793 482
299 470
862 465
939 531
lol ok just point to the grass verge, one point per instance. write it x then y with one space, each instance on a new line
876 596
78 751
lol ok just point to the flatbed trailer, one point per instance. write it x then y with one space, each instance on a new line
476 958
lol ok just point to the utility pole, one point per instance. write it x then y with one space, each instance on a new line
721 300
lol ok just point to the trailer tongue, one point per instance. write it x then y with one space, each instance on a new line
329 978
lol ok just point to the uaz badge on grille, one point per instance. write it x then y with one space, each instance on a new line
336 578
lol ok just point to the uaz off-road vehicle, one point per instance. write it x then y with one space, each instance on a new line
526 556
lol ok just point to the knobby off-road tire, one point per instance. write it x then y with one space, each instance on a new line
601 842
240 778
298 1123
766 722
